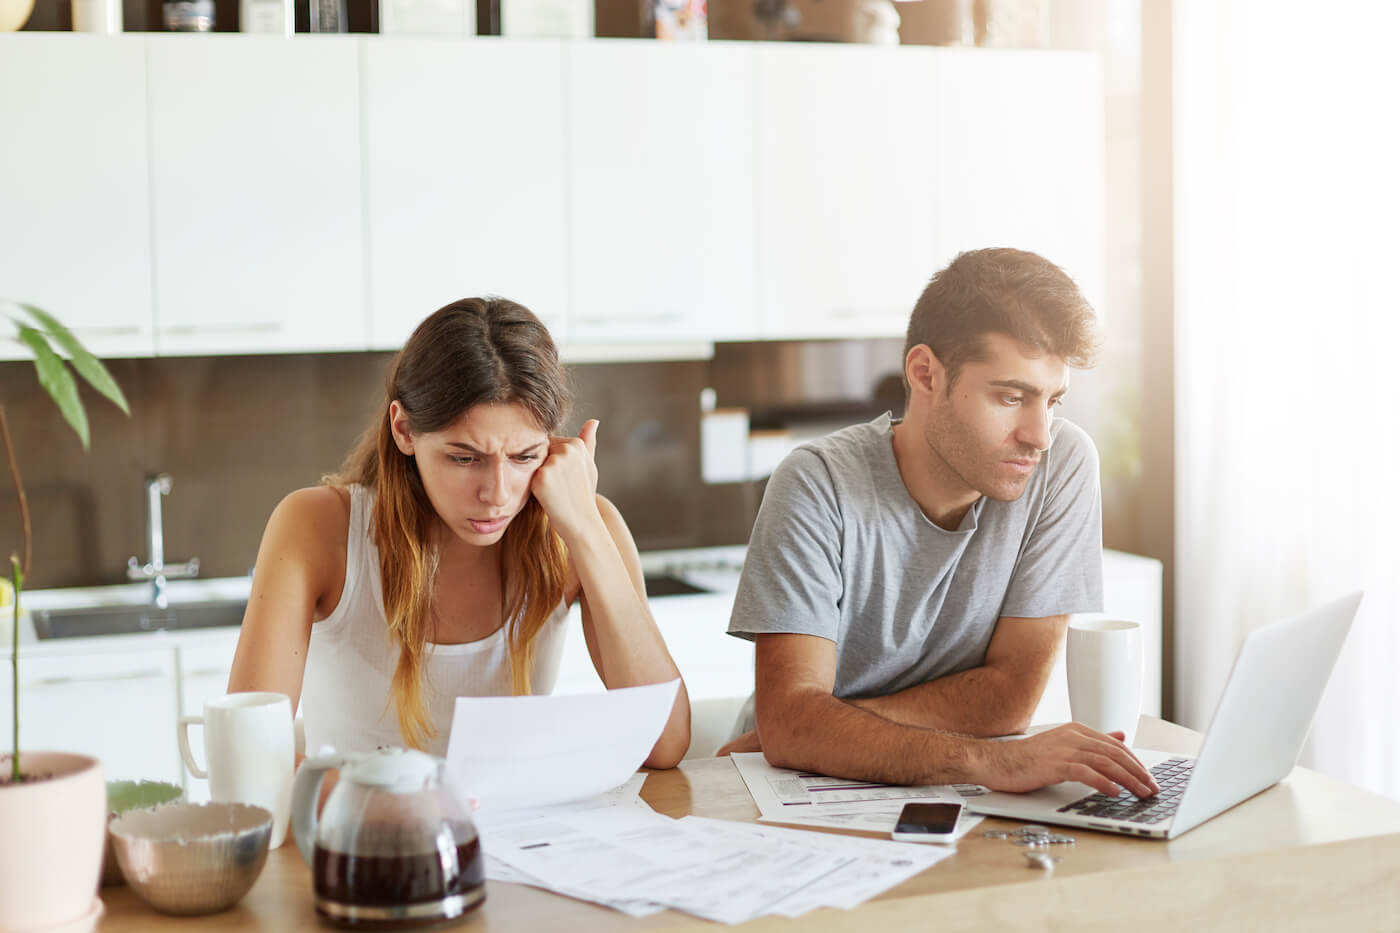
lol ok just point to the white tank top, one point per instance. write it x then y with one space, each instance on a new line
345 693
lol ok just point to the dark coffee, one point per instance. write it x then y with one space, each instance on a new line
385 881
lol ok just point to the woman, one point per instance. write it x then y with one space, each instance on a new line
443 559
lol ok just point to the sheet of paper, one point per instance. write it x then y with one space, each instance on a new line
533 751
872 865
784 793
626 794
613 850
625 855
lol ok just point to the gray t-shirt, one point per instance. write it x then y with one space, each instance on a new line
841 550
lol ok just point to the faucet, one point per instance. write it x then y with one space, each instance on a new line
157 485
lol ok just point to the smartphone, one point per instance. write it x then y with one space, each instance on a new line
927 822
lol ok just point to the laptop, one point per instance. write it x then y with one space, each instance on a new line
1253 741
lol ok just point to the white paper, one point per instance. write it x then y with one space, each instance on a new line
804 799
533 751
612 849
873 865
626 794
784 792
627 857
633 860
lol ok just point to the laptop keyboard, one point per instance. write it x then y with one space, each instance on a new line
1171 776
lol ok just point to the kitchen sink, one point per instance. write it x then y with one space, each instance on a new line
120 620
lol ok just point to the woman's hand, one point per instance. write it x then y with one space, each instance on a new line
566 484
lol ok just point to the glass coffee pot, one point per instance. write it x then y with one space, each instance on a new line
394 848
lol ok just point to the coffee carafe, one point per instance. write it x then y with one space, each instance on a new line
394 847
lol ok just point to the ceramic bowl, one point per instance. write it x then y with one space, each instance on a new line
187 858
129 795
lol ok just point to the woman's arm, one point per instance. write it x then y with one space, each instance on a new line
297 579
626 647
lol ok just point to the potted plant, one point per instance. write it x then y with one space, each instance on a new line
53 805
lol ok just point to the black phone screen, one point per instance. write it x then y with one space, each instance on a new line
928 818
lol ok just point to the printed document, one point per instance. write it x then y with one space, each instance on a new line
532 751
639 862
801 798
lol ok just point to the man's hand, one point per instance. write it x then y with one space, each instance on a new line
1071 752
748 742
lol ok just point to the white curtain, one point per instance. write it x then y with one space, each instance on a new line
1287 190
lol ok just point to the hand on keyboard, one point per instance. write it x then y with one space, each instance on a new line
1071 752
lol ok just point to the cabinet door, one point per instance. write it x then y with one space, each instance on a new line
117 706
661 189
1020 147
847 166
255 171
465 167
75 228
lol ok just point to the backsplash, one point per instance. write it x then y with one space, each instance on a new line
239 433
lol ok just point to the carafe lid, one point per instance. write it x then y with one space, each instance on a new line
400 770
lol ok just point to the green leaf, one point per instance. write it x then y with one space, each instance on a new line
87 365
57 381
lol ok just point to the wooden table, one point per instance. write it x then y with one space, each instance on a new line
1310 853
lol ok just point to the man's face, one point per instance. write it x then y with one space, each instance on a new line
992 429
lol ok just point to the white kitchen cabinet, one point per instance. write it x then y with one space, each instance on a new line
119 706
464 145
256 184
661 191
75 224
228 194
846 177
1020 158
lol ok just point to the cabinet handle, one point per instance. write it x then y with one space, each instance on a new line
205 671
125 331
257 327
670 317
846 314
99 678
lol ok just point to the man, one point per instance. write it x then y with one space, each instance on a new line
908 583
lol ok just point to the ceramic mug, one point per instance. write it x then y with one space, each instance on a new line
249 749
1103 661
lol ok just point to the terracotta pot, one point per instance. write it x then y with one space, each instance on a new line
51 842
14 14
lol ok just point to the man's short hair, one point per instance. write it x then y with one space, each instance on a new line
1002 291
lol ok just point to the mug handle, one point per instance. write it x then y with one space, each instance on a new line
183 731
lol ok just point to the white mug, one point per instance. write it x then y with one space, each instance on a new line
249 748
1103 661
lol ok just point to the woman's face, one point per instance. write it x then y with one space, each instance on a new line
477 470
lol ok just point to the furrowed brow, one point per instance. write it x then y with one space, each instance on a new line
1018 385
1025 387
534 448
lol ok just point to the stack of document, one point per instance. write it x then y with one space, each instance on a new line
556 784
801 798
619 853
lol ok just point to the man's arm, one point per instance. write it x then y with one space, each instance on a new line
997 698
801 725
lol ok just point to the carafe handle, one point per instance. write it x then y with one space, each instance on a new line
306 792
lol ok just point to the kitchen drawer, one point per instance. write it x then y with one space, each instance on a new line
120 707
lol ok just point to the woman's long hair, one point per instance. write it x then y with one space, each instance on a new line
471 352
